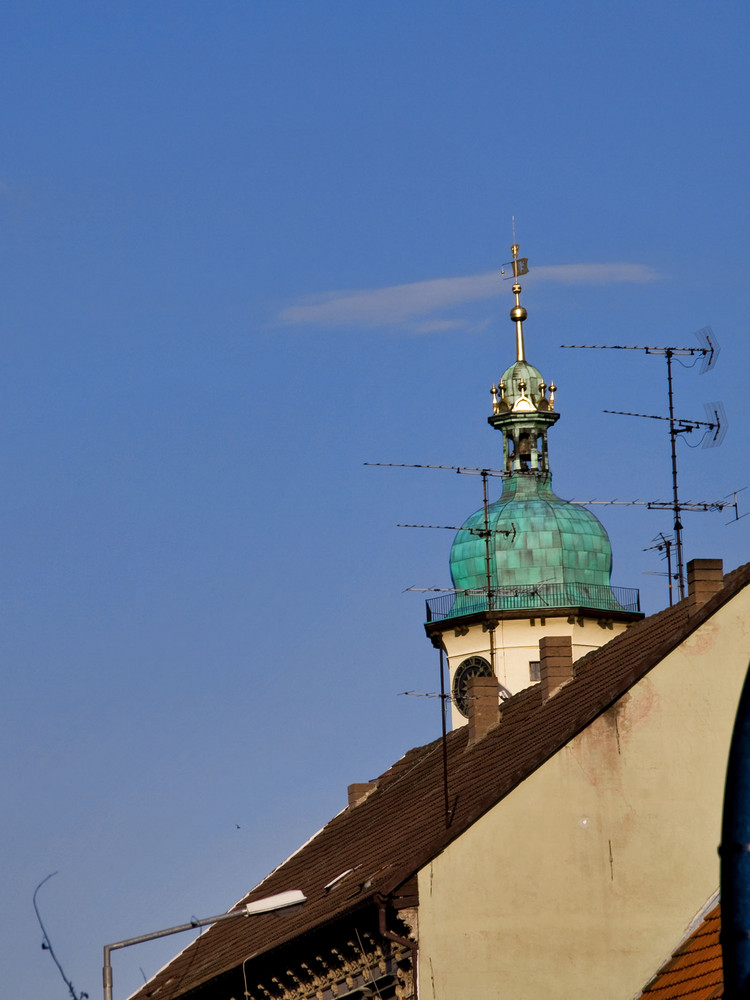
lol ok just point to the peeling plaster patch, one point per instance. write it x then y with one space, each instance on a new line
702 641
633 710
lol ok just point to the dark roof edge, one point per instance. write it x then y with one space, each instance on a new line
579 611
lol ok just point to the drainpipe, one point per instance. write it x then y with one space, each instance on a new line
735 857
392 936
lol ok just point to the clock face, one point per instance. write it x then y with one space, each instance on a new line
474 666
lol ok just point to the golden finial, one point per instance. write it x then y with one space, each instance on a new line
502 406
518 314
495 400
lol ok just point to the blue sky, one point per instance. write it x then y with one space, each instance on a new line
247 247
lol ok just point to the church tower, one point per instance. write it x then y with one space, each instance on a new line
529 564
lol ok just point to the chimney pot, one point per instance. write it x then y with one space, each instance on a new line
555 664
705 578
483 696
359 791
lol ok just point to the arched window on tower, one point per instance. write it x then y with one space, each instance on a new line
524 450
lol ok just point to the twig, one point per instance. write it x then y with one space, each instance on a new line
47 945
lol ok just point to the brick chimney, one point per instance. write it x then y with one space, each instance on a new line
483 697
555 663
705 578
359 791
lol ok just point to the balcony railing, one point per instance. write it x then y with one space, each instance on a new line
545 595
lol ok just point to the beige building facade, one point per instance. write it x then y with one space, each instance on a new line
580 881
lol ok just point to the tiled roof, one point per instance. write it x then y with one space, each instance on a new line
694 972
401 825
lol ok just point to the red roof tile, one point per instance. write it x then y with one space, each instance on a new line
694 972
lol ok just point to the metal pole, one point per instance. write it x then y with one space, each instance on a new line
675 501
668 546
488 569
267 905
109 948
445 739
735 857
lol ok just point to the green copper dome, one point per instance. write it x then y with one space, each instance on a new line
521 381
556 553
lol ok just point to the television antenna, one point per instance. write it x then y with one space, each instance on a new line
485 531
715 426
701 506
427 590
445 699
664 544
467 470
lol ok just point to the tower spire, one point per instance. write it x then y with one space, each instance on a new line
520 406
529 560
519 266
518 314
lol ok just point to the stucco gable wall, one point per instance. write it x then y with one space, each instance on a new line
579 882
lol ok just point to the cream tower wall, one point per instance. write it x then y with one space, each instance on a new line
579 882
517 645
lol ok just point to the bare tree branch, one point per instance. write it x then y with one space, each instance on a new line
47 945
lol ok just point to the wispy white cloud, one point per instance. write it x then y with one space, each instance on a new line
595 274
392 305
412 306
437 325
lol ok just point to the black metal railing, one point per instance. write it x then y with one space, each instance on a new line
544 595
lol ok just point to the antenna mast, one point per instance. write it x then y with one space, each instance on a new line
488 570
665 545
485 532
709 352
